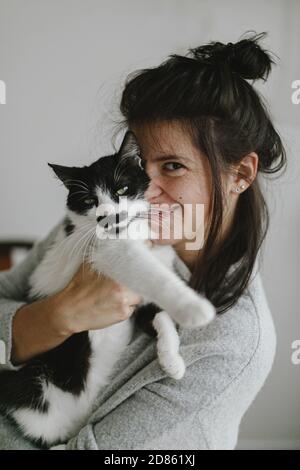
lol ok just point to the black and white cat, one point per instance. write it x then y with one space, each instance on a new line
50 396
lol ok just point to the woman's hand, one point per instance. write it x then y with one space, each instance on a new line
92 301
88 302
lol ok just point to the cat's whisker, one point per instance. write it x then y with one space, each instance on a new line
80 192
69 180
153 210
162 223
92 245
87 246
93 242
119 170
116 172
78 183
119 165
156 209
70 237
76 244
87 190
88 231
153 214
82 244
79 241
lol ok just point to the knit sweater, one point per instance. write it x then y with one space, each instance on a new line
227 364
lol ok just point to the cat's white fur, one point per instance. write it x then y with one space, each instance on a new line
148 272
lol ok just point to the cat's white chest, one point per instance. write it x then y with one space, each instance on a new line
57 267
107 346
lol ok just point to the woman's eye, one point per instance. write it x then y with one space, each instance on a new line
122 191
90 200
176 166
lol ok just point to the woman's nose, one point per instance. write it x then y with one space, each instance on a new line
153 191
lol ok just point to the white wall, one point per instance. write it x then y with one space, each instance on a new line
64 62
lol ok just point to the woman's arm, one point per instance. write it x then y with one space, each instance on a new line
34 330
88 302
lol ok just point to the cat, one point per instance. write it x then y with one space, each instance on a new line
50 396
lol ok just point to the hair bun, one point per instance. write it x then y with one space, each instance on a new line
244 57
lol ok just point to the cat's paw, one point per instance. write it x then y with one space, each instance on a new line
172 363
195 312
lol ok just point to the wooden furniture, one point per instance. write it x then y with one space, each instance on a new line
11 250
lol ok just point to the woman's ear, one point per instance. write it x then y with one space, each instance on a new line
244 173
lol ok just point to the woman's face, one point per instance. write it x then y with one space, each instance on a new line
180 178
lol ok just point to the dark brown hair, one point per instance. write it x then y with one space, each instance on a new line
208 92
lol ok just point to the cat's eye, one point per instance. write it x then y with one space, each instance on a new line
90 200
122 191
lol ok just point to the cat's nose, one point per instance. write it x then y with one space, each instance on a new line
113 218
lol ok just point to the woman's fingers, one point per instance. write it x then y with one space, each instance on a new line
132 298
103 300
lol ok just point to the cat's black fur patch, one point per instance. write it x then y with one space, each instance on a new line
69 227
143 317
65 366
22 388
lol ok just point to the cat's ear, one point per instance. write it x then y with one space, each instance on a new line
130 148
67 174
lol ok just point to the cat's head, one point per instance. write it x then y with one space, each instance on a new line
95 191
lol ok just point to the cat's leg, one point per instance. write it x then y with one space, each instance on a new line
168 346
131 263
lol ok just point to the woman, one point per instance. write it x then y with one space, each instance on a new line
204 136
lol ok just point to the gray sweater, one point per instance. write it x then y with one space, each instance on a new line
227 364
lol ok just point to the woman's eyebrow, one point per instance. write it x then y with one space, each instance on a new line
162 158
